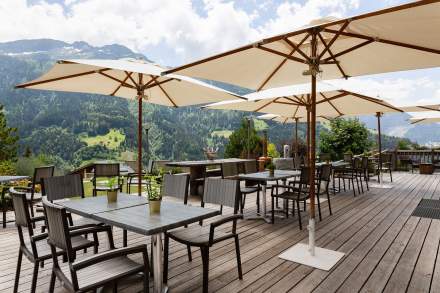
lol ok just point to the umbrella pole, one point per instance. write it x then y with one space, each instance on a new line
140 95
379 145
296 137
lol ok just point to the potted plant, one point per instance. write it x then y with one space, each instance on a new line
271 167
154 192
112 193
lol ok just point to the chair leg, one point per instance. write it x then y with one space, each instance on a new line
17 272
299 215
52 282
243 201
124 238
188 249
357 183
35 277
329 204
272 210
391 175
205 260
366 182
237 251
319 207
96 243
354 189
258 202
166 243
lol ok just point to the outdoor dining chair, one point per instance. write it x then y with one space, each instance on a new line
64 187
34 246
106 171
252 167
386 165
218 191
349 173
32 195
294 193
230 171
90 273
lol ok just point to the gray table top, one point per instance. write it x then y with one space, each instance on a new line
334 164
92 205
138 218
6 179
265 176
205 162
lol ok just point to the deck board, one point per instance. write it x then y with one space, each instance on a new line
387 249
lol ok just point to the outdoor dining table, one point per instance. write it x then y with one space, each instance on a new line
264 177
6 180
133 214
197 169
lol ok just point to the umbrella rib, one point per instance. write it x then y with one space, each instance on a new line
342 94
297 47
117 80
158 83
282 54
337 34
377 101
332 56
120 85
265 105
331 104
349 50
417 121
133 81
24 85
389 42
429 108
281 63
296 111
165 93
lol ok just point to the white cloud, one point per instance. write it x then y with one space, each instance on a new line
172 24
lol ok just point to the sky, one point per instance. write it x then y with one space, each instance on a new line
174 32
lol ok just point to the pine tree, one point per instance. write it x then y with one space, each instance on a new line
8 139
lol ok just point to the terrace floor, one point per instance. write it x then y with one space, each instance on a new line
387 250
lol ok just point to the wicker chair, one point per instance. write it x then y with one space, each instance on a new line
230 171
32 196
217 191
34 246
94 271
106 171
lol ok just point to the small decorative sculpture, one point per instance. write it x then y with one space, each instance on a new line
210 152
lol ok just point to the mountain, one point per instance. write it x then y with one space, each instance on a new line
72 128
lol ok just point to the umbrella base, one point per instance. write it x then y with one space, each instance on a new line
324 259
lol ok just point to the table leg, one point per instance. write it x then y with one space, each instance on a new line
156 241
261 216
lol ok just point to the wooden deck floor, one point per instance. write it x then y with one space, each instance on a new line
386 249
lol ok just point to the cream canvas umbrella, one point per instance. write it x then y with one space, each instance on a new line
399 38
131 79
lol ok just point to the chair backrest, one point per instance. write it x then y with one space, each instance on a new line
284 163
348 158
21 208
386 158
229 169
250 166
304 177
132 164
176 186
325 172
60 187
364 163
57 227
324 157
42 172
106 170
224 192
150 167
297 162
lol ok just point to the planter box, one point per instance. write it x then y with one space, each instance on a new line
426 168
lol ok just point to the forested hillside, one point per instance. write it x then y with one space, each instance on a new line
72 128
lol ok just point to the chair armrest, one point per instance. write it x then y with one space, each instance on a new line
37 219
226 219
87 229
39 237
97 258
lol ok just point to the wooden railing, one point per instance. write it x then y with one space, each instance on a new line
403 157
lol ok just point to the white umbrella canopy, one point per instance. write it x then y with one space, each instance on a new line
131 79
290 120
293 102
424 120
399 38
123 78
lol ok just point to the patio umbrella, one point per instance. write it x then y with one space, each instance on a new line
131 79
424 120
399 38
